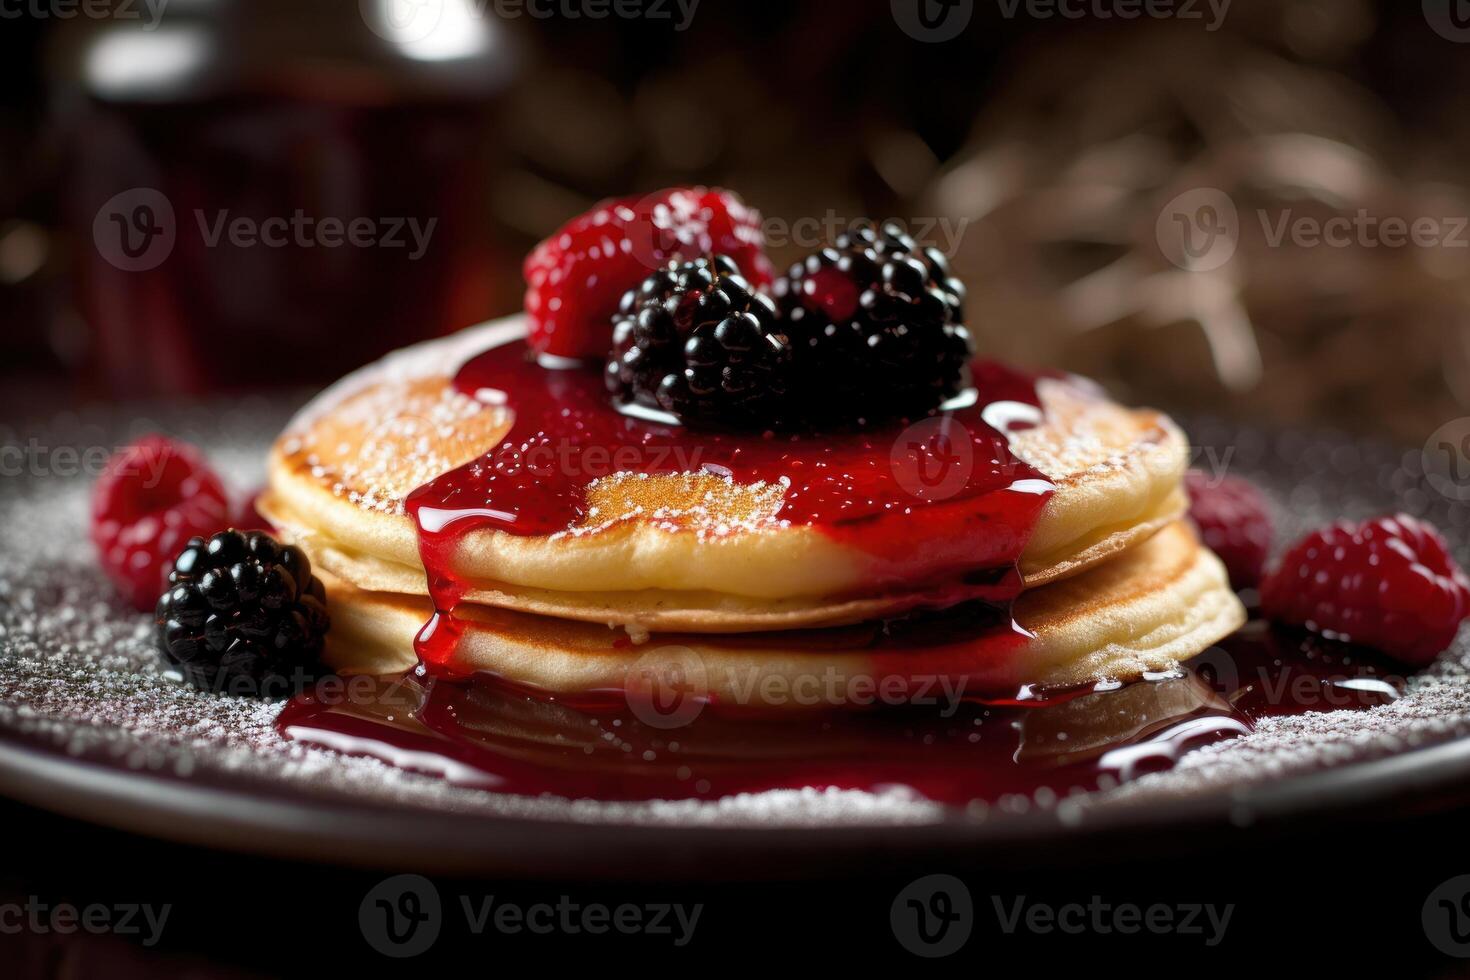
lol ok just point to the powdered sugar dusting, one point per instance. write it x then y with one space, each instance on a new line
385 441
710 505
78 671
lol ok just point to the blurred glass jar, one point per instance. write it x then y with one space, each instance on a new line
272 192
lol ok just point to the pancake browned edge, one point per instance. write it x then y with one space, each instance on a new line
1149 609
716 558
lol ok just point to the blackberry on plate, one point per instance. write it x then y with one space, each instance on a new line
876 326
697 341
243 614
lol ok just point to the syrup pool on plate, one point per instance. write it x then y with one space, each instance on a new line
486 733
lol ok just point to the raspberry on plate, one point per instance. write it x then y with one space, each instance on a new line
151 498
575 278
1388 583
1234 522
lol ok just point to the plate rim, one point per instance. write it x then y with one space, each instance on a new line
357 834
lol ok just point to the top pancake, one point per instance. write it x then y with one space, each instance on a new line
687 551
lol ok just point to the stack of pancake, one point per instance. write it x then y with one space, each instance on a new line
1116 583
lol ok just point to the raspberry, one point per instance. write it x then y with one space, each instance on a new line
243 614
696 341
1235 523
576 277
151 498
876 327
1388 583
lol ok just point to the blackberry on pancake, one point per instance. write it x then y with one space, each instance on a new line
697 341
876 327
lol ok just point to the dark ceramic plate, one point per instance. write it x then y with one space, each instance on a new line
89 727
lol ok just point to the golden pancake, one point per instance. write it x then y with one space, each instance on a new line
678 551
1147 610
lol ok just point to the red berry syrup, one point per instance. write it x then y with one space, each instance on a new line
953 475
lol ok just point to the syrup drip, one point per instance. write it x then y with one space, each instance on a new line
952 475
1040 745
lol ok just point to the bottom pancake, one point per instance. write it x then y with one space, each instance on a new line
1148 609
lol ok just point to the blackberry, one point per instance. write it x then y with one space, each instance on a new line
697 341
243 614
876 325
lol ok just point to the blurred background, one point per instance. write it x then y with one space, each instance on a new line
1255 208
